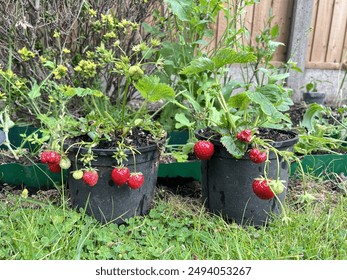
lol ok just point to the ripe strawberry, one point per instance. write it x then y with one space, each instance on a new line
120 175
44 156
90 177
203 149
244 136
77 174
54 167
50 157
65 163
257 156
135 180
261 189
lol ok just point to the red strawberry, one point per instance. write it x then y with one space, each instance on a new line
50 157
135 180
261 189
90 177
120 175
203 149
257 156
45 156
54 167
244 136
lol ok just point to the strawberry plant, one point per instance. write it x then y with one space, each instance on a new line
246 117
82 100
322 129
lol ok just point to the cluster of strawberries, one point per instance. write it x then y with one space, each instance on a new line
119 175
54 161
263 188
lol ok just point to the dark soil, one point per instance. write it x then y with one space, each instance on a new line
24 158
137 138
263 133
186 187
296 113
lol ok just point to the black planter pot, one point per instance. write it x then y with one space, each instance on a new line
107 202
314 97
227 184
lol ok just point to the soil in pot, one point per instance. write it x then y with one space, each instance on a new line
227 181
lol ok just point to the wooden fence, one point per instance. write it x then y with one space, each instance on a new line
327 46
327 40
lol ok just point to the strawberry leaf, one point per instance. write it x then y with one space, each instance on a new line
229 143
310 114
229 56
153 90
198 65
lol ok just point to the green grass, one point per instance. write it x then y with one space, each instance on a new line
175 228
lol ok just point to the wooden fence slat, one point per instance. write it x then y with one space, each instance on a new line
322 28
249 21
282 11
337 31
311 34
344 51
327 43
261 14
323 65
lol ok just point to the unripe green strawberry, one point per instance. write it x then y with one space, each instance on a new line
77 174
135 72
65 163
277 186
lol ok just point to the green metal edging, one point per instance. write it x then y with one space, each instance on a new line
322 165
34 177
190 169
